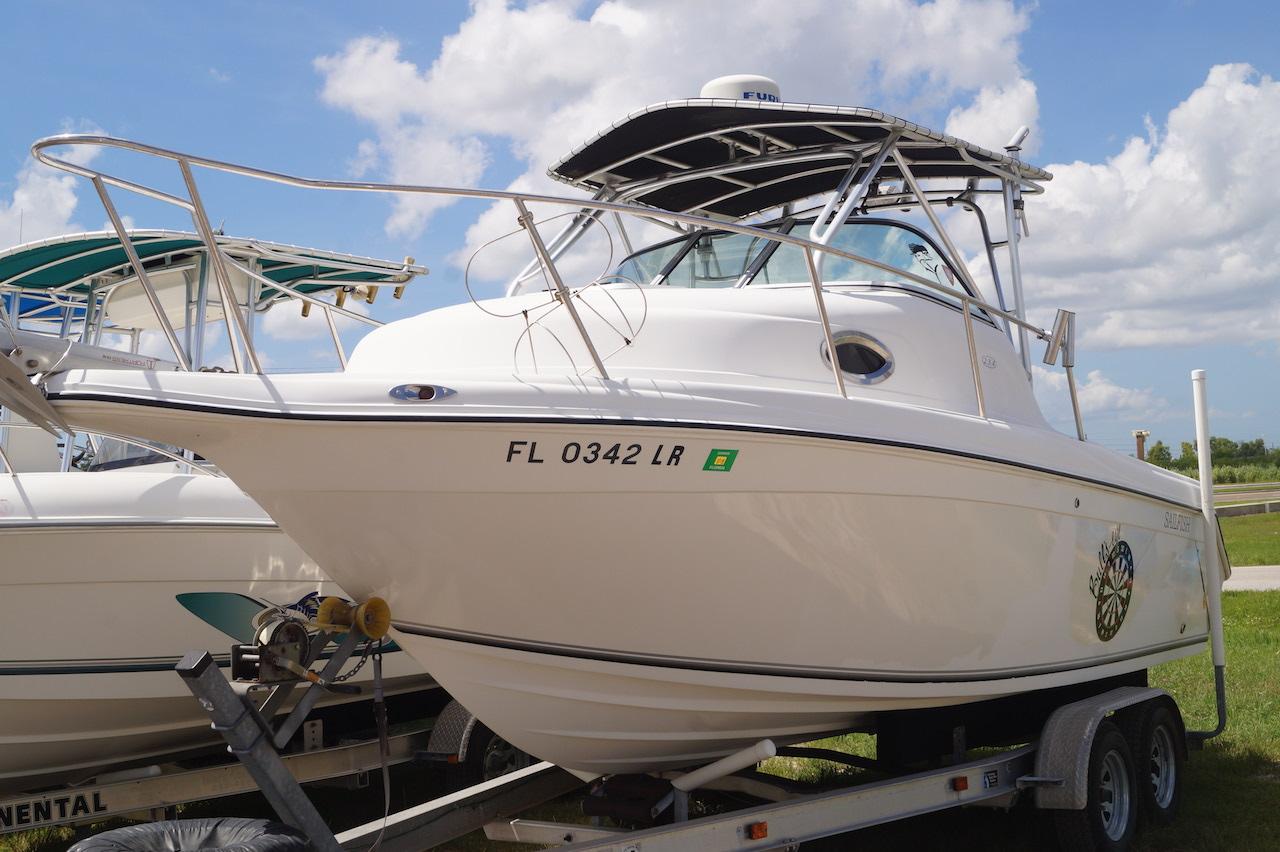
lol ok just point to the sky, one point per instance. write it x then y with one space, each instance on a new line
1158 119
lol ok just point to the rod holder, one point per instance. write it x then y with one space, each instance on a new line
1062 339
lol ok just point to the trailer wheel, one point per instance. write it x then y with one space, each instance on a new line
1156 737
1109 820
488 756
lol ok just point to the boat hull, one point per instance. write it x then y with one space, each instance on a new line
621 617
93 569
600 717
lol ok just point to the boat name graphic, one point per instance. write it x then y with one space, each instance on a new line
1112 586
307 606
593 451
1176 521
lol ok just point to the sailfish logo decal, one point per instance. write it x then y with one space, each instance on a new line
1112 585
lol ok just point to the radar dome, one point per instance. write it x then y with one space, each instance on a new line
743 87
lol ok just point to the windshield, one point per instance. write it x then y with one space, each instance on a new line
110 454
721 259
644 266
715 259
889 243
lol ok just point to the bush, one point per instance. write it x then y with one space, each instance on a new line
1232 474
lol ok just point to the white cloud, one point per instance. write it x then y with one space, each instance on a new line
1099 397
1175 239
995 115
125 219
370 79
219 76
41 206
44 200
540 78
367 158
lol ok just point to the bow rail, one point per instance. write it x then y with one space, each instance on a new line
1060 339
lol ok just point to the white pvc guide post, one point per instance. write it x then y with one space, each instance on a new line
1212 570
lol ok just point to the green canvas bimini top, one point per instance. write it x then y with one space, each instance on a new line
70 263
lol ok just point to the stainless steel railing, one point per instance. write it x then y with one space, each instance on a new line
520 200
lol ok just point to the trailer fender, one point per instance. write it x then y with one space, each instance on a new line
451 733
1062 758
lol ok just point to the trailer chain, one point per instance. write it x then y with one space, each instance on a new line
364 658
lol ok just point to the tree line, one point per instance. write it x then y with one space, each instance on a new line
1233 461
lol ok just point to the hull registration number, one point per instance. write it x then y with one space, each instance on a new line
595 452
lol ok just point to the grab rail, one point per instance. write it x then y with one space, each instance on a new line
520 200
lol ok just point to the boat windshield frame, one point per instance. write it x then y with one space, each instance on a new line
760 260
786 225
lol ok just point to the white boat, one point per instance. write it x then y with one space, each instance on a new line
112 572
642 521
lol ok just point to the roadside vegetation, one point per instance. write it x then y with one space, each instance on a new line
1233 462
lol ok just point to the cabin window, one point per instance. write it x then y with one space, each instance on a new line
861 357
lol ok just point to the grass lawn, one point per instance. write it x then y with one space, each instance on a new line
1231 800
1252 539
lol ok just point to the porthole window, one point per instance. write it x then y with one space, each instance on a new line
861 357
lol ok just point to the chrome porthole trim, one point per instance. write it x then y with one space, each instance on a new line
420 392
859 338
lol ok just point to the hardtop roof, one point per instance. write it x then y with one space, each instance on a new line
736 158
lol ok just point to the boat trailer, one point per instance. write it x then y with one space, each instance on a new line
1082 766
1057 771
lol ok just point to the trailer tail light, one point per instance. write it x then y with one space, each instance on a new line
757 830
960 783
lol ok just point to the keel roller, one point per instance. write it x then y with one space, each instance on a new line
371 619
334 614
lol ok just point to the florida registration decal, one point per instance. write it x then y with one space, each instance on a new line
720 460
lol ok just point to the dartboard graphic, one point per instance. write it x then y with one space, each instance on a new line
1113 588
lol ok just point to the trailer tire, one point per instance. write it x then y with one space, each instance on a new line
1156 736
198 835
488 756
1109 821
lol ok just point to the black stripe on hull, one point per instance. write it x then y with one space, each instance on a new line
614 422
774 670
